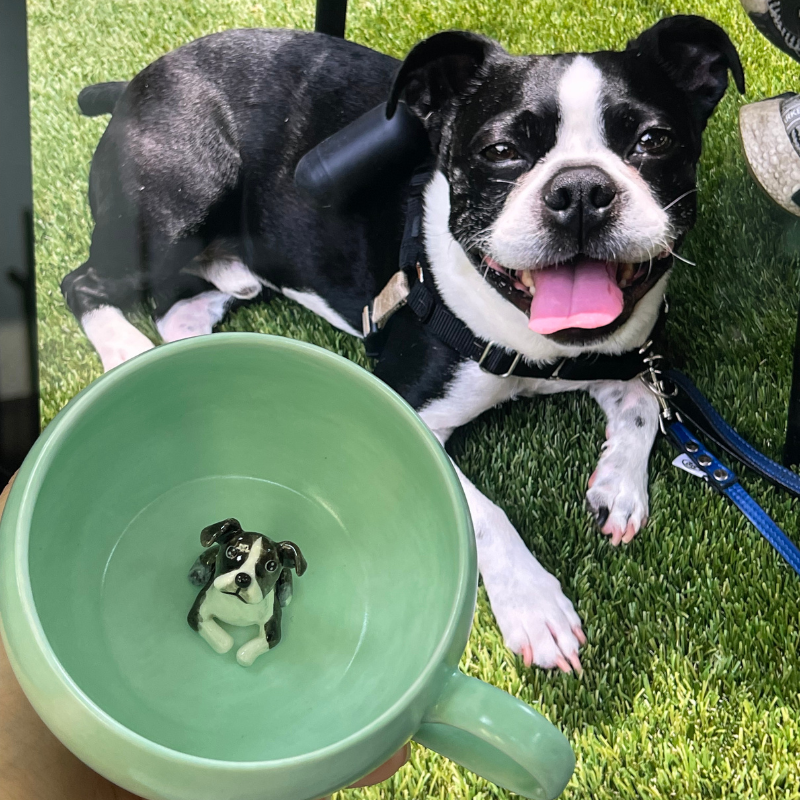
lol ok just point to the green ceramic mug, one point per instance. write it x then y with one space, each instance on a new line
103 524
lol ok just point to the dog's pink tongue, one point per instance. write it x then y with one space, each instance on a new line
585 295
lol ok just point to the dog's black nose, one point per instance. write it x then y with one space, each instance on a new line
242 580
580 199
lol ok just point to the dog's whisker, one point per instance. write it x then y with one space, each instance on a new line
681 258
678 199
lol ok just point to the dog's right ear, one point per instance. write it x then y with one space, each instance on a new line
438 69
219 530
696 56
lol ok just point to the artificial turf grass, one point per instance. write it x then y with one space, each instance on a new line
691 671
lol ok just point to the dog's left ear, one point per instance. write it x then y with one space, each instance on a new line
219 530
696 54
437 70
292 557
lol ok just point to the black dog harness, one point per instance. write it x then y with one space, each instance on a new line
413 286
680 400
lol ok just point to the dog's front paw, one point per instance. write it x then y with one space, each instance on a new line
251 650
219 639
536 618
617 497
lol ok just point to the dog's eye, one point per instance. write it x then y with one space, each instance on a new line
233 552
272 566
654 142
498 153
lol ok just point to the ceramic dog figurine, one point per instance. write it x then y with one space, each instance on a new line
247 580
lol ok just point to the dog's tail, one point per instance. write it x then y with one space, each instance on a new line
100 98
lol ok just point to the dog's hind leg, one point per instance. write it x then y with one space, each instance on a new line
213 281
194 316
617 496
97 303
158 183
113 337
203 567
284 587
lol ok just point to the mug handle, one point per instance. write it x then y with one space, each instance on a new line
498 737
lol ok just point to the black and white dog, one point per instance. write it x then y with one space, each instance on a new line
562 186
246 579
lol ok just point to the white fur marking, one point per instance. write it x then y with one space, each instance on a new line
227 581
115 339
316 304
471 392
642 229
195 316
232 277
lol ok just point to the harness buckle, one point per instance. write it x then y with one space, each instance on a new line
485 355
367 325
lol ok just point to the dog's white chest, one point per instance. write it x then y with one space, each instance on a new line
229 608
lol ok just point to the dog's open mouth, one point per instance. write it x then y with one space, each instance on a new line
582 293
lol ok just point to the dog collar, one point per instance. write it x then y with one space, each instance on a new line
411 286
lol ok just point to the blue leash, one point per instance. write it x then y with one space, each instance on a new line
680 398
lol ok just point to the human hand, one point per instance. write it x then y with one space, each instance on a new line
34 765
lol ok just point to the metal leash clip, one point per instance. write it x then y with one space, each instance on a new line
653 379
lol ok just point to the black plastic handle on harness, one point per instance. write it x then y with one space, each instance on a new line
371 152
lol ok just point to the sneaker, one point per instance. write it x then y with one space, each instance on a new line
770 131
779 21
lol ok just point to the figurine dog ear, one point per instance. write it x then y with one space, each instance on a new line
292 557
219 530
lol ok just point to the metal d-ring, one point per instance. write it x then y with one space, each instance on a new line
485 354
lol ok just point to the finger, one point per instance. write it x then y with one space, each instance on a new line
4 494
385 770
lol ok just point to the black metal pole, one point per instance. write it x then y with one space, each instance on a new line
331 16
791 448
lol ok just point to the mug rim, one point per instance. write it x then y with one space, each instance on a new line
61 425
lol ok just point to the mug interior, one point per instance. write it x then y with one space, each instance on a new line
298 445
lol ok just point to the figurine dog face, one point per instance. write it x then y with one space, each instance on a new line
248 564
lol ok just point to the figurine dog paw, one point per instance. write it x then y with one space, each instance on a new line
247 580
